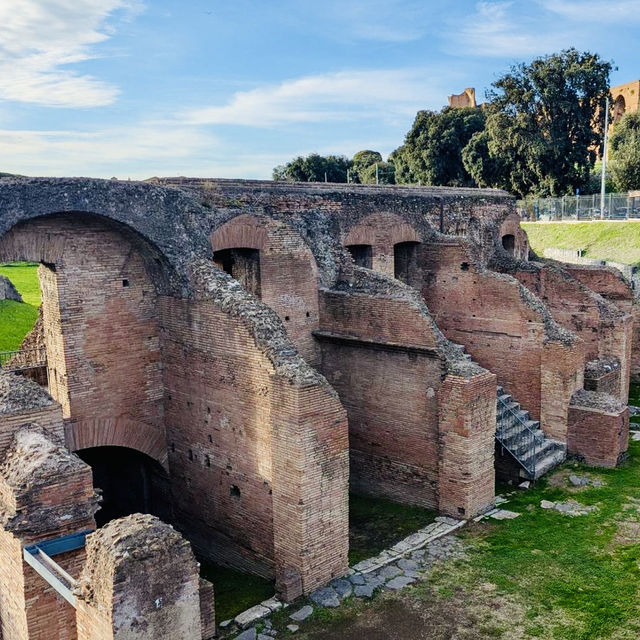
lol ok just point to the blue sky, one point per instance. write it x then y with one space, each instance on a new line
137 88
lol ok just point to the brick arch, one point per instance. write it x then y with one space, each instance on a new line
288 273
245 232
511 227
381 231
119 432
381 228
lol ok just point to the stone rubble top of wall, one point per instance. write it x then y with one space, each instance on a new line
607 310
134 537
501 266
337 187
601 366
18 394
33 457
264 324
597 400
372 283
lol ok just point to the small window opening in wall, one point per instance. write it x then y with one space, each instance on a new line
308 314
286 318
509 243
461 510
207 460
234 491
465 266
190 454
210 438
125 283
362 254
173 447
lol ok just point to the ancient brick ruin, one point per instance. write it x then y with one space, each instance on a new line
232 357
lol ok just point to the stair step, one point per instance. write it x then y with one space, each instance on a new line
524 439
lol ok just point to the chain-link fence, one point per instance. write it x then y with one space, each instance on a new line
617 206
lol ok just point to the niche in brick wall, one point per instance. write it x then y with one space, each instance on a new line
243 265
362 254
405 260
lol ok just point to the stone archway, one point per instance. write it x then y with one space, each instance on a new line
130 482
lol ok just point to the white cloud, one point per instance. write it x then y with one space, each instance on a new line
136 152
40 38
340 96
596 11
495 31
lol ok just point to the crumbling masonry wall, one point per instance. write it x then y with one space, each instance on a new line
507 330
383 354
606 331
613 286
139 582
45 492
257 446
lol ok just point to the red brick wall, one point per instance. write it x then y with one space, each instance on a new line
484 312
102 337
393 450
229 417
288 273
609 283
598 436
45 492
604 330
382 231
467 406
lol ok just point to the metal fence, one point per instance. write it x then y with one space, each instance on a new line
618 206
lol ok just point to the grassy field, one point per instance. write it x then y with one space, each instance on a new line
542 575
17 319
617 241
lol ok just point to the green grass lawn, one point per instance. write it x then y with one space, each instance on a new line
17 319
579 579
542 575
616 241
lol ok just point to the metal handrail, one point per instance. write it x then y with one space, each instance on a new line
527 437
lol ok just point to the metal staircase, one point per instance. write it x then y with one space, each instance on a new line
524 440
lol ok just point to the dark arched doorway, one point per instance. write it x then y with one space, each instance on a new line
130 482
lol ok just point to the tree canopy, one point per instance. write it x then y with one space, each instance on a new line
625 152
545 124
314 168
432 151
362 168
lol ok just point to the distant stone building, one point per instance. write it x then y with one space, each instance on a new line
466 99
625 98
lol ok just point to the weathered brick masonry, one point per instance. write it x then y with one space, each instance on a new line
239 384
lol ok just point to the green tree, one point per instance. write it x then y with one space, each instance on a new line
545 123
432 151
365 165
314 168
625 153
